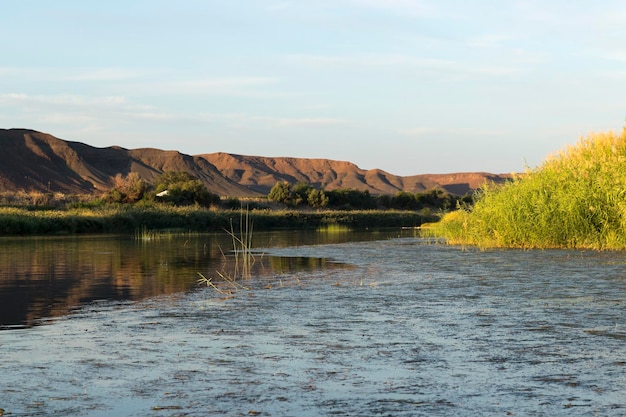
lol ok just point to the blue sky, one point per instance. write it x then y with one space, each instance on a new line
410 87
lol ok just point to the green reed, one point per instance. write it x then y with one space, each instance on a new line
575 199
243 257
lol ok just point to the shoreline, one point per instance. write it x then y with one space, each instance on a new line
132 219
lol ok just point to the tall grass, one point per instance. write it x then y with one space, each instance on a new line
242 254
121 218
242 245
575 199
110 218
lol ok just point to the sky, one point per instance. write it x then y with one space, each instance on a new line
407 86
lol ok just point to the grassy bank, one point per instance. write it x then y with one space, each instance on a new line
128 219
575 199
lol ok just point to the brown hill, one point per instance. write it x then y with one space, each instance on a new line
35 161
261 173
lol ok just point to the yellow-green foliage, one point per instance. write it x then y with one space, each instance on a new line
575 199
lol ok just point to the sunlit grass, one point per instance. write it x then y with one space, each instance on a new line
124 218
575 199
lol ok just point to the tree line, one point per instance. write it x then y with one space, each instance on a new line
304 194
182 188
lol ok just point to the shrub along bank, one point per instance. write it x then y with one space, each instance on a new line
575 199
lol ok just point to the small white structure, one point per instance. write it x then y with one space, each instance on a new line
162 193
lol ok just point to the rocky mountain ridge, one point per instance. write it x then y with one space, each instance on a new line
35 161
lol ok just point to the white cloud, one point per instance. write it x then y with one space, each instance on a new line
67 119
244 86
412 8
81 111
73 74
619 75
106 74
571 18
30 74
433 66
300 121
66 109
461 131
494 40
152 115
610 54
62 100
280 5
228 82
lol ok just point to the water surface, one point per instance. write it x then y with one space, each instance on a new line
43 277
411 328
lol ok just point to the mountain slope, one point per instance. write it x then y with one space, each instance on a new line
35 161
260 173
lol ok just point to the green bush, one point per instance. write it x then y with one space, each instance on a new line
300 194
280 193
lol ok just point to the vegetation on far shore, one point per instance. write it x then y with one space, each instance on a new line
575 199
178 201
129 219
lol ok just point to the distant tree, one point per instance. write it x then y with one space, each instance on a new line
184 189
437 198
431 198
300 193
280 193
317 198
405 201
351 199
170 178
127 189
384 201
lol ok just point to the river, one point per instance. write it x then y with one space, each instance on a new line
377 324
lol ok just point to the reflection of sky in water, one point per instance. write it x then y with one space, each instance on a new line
49 276
410 329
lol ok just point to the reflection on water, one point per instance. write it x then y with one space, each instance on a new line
49 276
411 329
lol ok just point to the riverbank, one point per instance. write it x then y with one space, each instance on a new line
130 219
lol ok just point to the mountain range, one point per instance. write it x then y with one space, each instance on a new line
35 161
